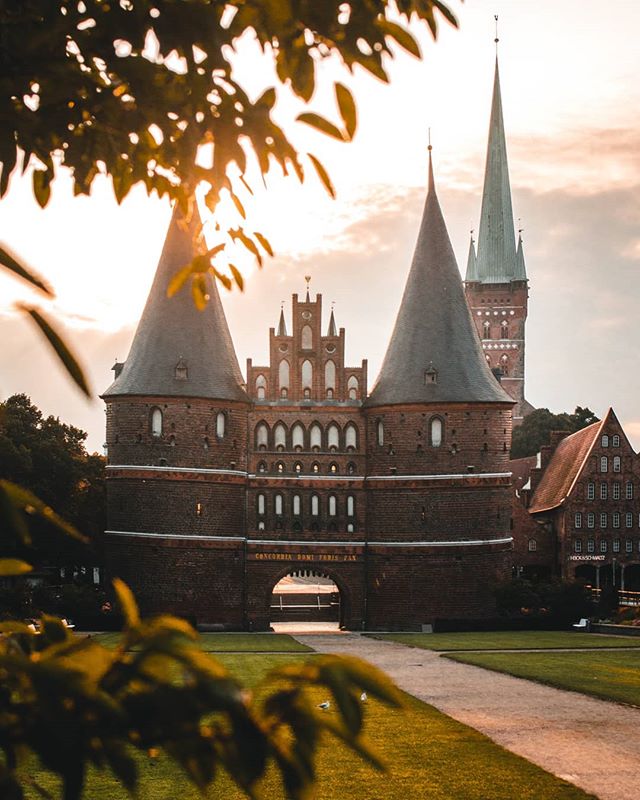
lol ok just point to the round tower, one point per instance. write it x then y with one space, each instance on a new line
177 451
438 440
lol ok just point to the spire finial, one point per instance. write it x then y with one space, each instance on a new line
496 40
308 280
429 148
472 232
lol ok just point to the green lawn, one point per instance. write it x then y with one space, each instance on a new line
509 640
429 756
608 675
233 642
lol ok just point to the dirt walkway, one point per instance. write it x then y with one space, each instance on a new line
592 743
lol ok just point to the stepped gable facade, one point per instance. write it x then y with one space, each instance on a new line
401 495
583 494
496 283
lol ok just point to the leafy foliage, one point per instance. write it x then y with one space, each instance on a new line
536 427
74 703
145 91
561 601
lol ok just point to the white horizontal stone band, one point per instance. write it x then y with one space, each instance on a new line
287 543
312 476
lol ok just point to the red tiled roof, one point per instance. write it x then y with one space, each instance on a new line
563 469
521 470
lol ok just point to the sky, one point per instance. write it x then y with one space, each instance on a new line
571 93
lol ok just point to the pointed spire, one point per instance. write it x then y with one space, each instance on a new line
333 330
496 241
521 271
282 325
434 355
472 262
178 350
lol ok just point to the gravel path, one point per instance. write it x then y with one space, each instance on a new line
592 743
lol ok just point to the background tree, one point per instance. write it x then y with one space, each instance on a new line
536 427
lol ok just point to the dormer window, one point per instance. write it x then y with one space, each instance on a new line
181 373
430 374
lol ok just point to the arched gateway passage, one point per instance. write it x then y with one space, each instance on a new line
303 596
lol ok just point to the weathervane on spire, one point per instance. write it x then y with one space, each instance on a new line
472 231
308 279
429 148
496 40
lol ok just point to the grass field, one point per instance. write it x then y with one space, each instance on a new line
429 756
608 675
509 640
233 642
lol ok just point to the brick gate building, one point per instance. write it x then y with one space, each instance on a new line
217 487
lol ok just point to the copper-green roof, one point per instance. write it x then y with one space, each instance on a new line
178 350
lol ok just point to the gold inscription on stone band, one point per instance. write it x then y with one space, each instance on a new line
303 557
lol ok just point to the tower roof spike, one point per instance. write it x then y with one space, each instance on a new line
173 331
434 326
332 329
282 325
496 252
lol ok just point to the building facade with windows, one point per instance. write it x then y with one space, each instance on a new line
583 496
219 487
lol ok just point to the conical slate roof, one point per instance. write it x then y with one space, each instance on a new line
496 239
521 271
178 350
282 325
332 329
434 355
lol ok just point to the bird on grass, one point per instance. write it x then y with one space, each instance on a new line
325 705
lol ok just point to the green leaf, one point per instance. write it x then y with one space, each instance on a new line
347 107
13 566
323 175
42 186
321 124
178 281
60 348
127 603
402 37
237 275
28 503
266 244
10 262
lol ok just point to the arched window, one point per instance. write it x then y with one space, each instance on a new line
615 441
504 364
351 437
617 464
277 505
333 437
605 441
221 424
315 505
333 505
351 506
261 387
262 466
205 443
435 432
350 528
261 503
280 467
486 330
380 432
533 545
352 387
283 374
604 464
333 468
280 436
297 467
315 468
504 329
297 436
307 375
262 436
629 490
306 337
156 422
296 505
351 468
316 437
330 376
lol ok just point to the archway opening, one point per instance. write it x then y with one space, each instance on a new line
306 599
